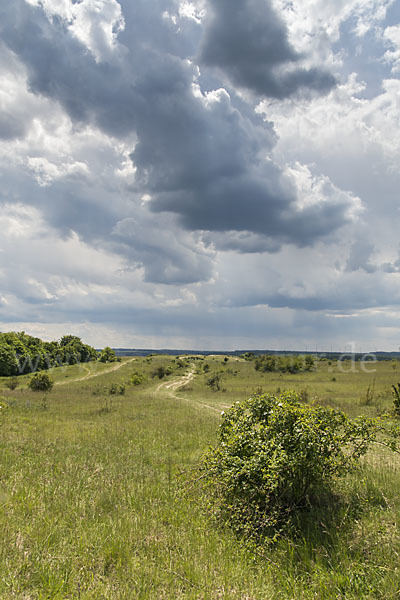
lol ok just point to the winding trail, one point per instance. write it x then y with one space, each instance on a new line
90 374
169 388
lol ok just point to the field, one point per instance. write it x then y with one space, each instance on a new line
95 502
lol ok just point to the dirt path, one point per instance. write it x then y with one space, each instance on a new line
89 374
166 388
169 388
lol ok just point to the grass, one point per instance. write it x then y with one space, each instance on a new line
94 502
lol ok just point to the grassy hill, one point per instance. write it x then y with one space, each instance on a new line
95 504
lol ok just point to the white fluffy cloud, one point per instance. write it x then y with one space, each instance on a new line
392 56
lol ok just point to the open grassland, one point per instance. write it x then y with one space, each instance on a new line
94 503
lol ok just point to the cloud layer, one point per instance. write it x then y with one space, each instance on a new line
189 163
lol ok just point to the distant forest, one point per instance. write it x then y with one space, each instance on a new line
21 353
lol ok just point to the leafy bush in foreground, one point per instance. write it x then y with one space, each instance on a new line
276 455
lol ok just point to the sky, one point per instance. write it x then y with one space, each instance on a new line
215 174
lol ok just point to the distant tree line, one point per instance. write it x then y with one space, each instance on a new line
283 364
21 353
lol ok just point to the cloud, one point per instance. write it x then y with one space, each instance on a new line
249 43
359 257
392 38
169 256
60 67
199 154
142 191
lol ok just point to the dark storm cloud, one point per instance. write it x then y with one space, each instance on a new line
60 67
350 296
248 41
201 157
166 256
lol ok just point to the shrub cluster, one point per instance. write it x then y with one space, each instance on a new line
284 364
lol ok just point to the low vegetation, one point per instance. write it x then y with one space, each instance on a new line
283 364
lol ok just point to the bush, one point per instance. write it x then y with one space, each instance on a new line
41 382
12 383
214 382
117 389
160 372
137 378
276 455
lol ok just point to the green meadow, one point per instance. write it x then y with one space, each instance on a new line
98 501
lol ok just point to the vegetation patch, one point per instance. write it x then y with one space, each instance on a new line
284 364
21 353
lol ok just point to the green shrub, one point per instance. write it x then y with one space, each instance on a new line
116 389
137 378
276 455
160 372
12 383
283 364
214 382
41 382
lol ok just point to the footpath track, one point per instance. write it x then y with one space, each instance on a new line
170 389
90 374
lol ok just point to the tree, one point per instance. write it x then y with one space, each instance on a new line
8 360
21 353
309 362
